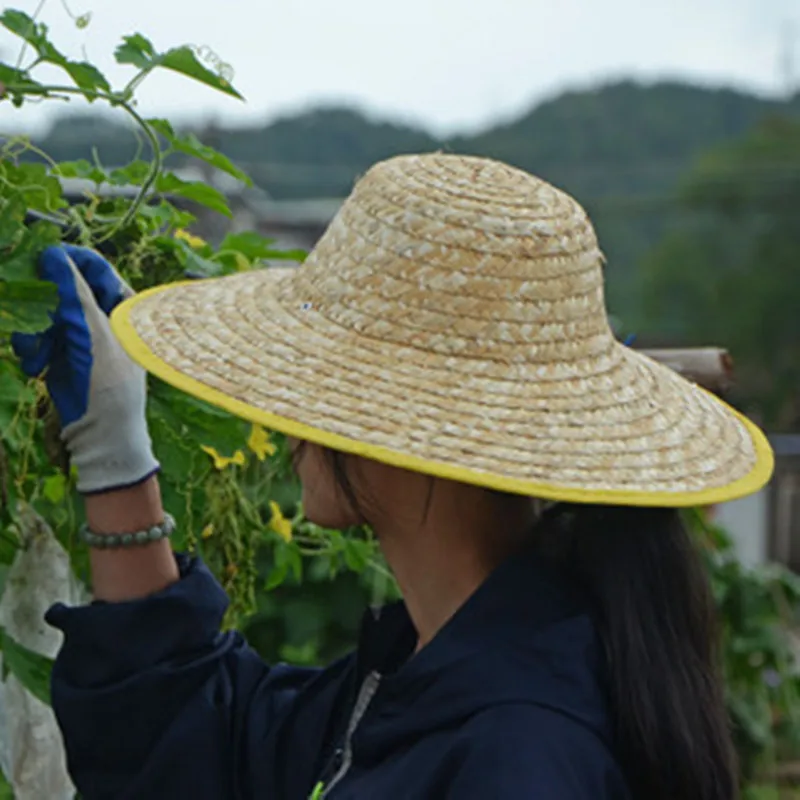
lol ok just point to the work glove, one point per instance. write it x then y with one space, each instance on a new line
98 392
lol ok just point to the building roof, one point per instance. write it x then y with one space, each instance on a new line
316 212
785 444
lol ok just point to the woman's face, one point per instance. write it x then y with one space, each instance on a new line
324 502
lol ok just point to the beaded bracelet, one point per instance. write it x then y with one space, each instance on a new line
112 541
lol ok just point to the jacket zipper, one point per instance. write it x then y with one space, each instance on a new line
365 695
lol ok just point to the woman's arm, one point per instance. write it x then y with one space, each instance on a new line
155 702
100 396
123 574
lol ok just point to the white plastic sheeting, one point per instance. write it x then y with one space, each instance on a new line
31 751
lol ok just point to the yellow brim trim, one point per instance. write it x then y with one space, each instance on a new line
124 329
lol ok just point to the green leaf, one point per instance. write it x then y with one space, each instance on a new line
288 559
35 33
255 247
184 61
20 263
25 306
87 76
295 561
356 555
19 23
288 255
192 146
15 391
195 263
14 387
277 576
134 174
12 222
159 216
39 190
54 488
194 422
81 169
11 77
303 655
31 669
197 191
164 127
136 50
250 244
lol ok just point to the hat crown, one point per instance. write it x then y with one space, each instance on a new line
463 256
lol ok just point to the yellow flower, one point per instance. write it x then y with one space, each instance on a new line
220 462
195 242
208 531
259 443
279 523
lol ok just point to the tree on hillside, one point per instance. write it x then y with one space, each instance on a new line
729 272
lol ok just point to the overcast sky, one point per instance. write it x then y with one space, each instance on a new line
448 64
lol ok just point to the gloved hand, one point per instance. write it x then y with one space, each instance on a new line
99 393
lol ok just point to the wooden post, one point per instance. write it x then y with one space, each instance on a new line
785 493
709 367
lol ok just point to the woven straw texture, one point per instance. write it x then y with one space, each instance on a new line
452 320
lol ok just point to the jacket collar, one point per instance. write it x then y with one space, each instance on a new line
524 594
524 637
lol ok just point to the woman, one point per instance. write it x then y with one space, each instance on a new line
445 369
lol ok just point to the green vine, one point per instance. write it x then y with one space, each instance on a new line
236 512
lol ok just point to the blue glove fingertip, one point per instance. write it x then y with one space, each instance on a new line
24 345
54 267
33 351
99 274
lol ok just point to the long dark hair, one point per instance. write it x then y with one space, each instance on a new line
657 622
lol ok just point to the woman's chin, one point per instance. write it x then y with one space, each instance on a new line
327 515
328 520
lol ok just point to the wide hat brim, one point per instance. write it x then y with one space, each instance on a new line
621 429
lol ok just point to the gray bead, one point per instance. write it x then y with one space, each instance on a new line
156 533
126 540
141 537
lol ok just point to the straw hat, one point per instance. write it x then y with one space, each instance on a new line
451 321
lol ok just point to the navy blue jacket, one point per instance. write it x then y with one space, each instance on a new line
505 703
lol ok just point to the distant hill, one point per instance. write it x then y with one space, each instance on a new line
319 152
623 137
620 148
